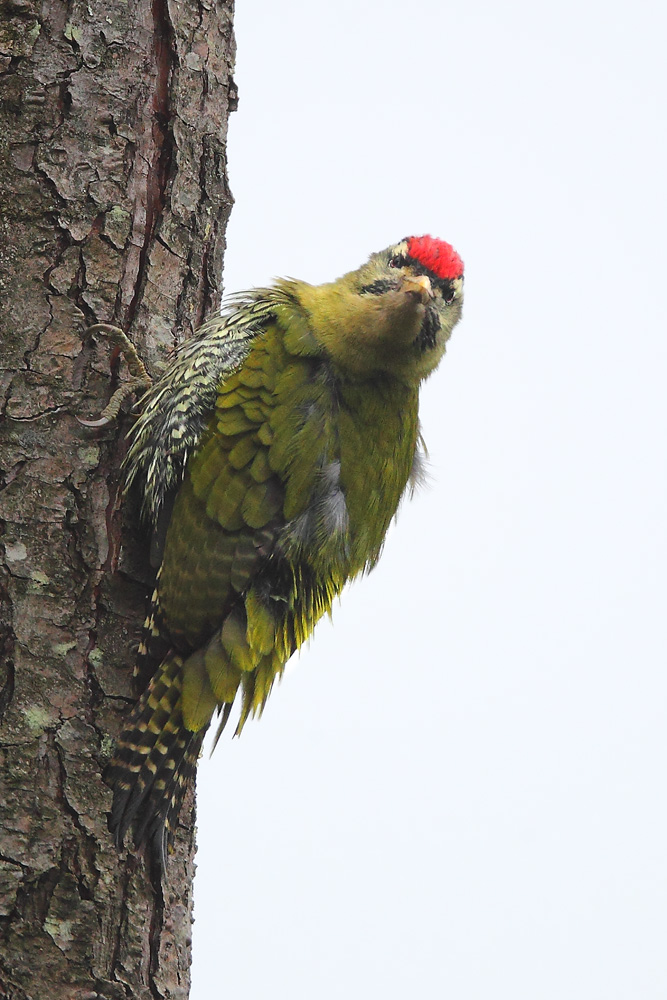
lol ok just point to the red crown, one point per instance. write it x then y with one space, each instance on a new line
439 257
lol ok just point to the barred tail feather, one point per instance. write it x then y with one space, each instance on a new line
153 648
155 762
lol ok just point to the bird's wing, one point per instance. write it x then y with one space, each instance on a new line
177 409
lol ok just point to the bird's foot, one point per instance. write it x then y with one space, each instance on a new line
140 377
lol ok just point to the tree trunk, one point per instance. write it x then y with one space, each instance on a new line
113 207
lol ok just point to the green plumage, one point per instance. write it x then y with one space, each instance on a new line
272 457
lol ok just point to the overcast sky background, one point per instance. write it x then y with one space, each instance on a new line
458 789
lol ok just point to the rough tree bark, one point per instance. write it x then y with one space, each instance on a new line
113 204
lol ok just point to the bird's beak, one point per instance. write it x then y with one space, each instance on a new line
418 285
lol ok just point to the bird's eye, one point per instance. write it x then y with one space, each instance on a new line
398 260
448 290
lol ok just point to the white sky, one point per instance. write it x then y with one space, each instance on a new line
458 790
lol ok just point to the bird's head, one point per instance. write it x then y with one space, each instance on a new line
395 313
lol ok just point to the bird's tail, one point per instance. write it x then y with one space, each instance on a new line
155 762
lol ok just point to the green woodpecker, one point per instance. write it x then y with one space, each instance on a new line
271 457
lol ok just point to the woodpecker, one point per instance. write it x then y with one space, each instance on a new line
271 457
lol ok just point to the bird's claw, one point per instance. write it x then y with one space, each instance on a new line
140 377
